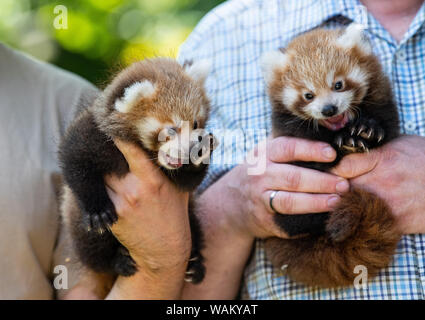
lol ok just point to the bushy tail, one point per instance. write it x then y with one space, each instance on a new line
361 231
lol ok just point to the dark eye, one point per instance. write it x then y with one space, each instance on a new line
195 125
338 85
309 96
171 131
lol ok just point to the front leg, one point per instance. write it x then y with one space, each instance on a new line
98 211
195 272
361 136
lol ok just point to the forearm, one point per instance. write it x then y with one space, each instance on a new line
148 285
226 250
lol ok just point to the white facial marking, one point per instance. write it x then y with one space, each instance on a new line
358 75
199 70
176 149
353 36
330 78
289 97
342 100
272 61
145 129
133 94
202 113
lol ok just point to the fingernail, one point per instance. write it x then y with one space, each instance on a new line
333 202
328 153
342 186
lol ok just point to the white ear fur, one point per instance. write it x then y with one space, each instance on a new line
354 36
133 94
199 70
270 61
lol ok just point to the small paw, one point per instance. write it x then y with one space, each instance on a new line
124 264
351 144
100 222
369 130
196 270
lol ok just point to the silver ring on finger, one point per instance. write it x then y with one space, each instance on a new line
272 195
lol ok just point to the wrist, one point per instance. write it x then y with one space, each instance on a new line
227 215
166 283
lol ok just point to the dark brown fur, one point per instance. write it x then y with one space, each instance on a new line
362 230
88 153
320 260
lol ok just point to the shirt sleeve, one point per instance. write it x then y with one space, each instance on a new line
215 39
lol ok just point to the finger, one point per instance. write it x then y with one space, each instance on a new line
113 182
287 149
138 161
292 178
356 164
300 203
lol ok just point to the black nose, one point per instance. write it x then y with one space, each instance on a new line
329 110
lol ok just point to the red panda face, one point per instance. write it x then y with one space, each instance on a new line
164 107
322 76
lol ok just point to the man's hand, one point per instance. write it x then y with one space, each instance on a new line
153 214
243 212
301 190
396 173
153 225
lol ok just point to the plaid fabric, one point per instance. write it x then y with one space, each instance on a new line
233 37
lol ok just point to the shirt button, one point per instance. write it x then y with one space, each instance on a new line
401 55
410 126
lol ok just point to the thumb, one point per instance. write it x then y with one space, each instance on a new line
356 164
138 161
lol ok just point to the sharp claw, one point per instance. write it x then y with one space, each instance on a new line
190 272
353 130
369 133
380 137
361 129
187 279
367 150
361 144
339 142
194 258
351 142
283 267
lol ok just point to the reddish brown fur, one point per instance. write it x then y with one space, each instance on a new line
362 230
324 56
326 263
170 80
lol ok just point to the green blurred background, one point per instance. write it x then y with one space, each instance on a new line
100 34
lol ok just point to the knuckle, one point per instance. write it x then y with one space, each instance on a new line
286 203
292 179
327 184
288 148
132 197
121 208
348 169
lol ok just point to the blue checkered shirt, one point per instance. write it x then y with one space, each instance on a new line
233 37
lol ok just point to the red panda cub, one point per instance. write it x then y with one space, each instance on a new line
328 86
158 105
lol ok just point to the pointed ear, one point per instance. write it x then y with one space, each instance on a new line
272 61
198 70
353 36
133 94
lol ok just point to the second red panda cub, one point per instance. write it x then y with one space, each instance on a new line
328 86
